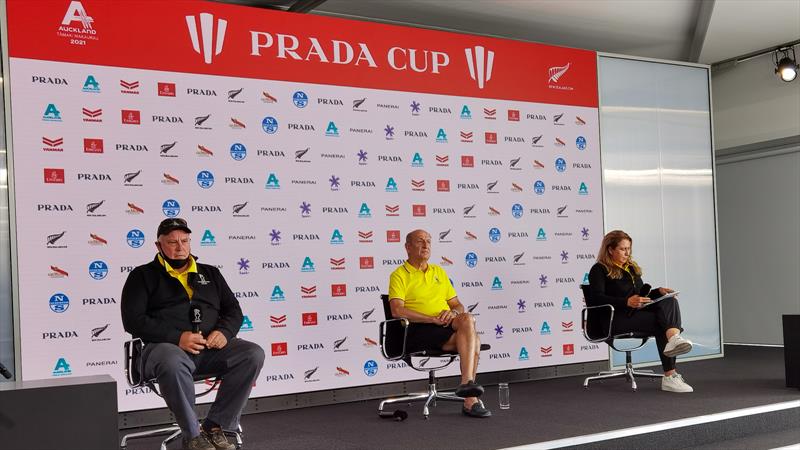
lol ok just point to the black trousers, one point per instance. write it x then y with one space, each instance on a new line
654 319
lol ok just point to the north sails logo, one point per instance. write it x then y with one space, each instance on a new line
555 73
207 35
480 62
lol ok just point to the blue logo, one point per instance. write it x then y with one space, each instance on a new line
521 305
566 305
471 259
171 208
561 164
497 285
51 114
538 187
362 157
585 278
517 210
238 152
498 331
275 237
91 85
308 265
135 238
541 235
247 324
305 209
269 125
441 136
336 237
389 131
580 142
98 269
545 328
208 239
466 113
564 256
62 368
371 368
523 354
585 234
205 179
494 235
583 189
272 182
332 131
416 161
364 212
391 185
277 294
59 302
335 182
542 280
244 266
415 107
300 99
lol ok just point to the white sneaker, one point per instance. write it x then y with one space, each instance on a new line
677 345
675 383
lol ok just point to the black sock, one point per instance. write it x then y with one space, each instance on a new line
209 425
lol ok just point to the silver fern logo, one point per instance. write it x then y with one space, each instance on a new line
554 73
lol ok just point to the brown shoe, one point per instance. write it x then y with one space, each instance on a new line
198 442
217 438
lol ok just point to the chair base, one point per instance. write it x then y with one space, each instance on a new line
429 398
174 432
628 372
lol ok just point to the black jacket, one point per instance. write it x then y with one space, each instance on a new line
605 290
155 306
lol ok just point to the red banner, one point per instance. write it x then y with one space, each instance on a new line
218 39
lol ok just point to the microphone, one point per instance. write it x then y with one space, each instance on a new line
5 372
196 316
645 289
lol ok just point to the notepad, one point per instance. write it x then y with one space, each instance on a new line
663 297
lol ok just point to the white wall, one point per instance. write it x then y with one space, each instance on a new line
752 105
758 194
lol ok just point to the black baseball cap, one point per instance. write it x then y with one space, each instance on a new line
169 225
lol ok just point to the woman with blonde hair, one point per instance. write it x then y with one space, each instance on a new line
616 279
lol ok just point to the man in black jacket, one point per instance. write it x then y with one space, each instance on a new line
188 318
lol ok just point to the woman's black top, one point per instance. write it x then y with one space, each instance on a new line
605 290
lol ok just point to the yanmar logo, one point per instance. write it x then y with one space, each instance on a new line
480 62
212 42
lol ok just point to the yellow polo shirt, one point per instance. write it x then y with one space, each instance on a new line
423 292
182 277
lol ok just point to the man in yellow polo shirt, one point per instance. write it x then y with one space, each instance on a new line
422 293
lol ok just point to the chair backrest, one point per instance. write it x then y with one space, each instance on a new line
133 362
387 309
596 321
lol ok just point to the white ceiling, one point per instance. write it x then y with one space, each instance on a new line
705 31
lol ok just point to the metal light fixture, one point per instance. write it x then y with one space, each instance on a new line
786 67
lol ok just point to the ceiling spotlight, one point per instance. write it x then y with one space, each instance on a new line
786 67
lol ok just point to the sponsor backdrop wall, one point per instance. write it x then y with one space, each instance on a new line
301 150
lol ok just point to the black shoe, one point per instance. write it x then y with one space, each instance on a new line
470 389
477 410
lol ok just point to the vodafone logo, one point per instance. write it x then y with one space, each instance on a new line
480 62
211 42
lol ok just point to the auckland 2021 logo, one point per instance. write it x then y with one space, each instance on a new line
77 25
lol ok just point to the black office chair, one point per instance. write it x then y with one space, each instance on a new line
134 370
392 337
596 325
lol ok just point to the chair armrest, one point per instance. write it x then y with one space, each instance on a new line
134 365
393 333
585 325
